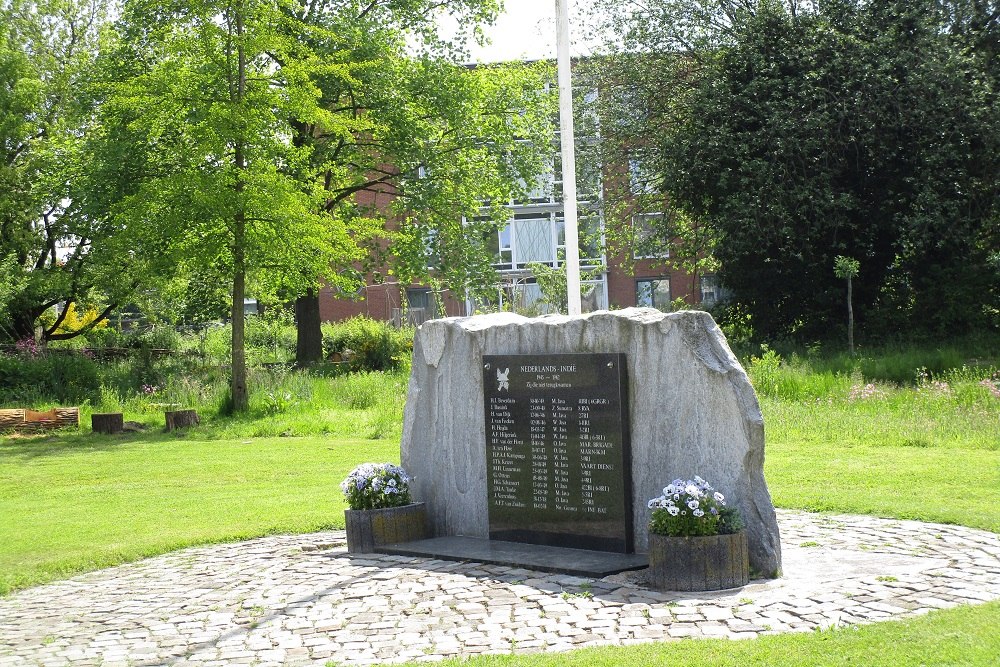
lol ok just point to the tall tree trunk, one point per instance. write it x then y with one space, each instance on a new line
309 336
850 317
238 382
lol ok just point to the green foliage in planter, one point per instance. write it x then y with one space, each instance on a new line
372 486
690 508
730 520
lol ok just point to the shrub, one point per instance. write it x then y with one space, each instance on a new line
736 324
269 338
367 344
763 372
62 378
147 338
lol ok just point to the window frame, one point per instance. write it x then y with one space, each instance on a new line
653 292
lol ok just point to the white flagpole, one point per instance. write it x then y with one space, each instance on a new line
568 156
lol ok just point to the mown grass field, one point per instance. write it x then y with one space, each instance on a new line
68 506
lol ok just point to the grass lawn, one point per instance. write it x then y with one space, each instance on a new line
82 502
861 459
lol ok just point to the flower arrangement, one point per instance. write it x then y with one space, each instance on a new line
373 486
690 508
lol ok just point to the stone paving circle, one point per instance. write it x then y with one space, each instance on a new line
302 600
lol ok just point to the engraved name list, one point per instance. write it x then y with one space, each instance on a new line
558 468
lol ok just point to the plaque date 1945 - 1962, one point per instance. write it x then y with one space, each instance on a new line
557 450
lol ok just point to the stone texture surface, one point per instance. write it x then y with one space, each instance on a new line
303 600
692 412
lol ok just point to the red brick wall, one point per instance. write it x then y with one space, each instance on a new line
377 302
621 285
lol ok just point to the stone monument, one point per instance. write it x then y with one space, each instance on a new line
690 410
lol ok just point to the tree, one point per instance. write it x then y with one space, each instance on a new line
445 138
846 269
46 54
799 132
10 283
248 128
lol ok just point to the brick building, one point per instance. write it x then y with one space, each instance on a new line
535 234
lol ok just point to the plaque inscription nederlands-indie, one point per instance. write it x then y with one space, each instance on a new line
557 450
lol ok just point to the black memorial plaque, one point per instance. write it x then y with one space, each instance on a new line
557 450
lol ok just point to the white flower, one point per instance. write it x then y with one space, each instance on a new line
698 513
719 497
672 510
692 504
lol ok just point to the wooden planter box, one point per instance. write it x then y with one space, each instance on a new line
707 563
367 529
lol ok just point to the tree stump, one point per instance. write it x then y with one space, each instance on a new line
181 418
109 423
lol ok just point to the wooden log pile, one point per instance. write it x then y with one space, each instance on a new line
23 420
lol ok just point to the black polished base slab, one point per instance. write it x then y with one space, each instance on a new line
518 554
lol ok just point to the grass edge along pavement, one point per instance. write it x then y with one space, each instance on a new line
965 635
72 503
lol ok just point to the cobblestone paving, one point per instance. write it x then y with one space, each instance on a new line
291 600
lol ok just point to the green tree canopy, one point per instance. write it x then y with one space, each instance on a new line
272 141
47 49
798 133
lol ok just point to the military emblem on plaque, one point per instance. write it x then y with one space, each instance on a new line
503 384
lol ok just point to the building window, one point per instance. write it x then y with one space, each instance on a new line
417 298
642 180
525 296
647 242
541 237
711 292
430 249
653 293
